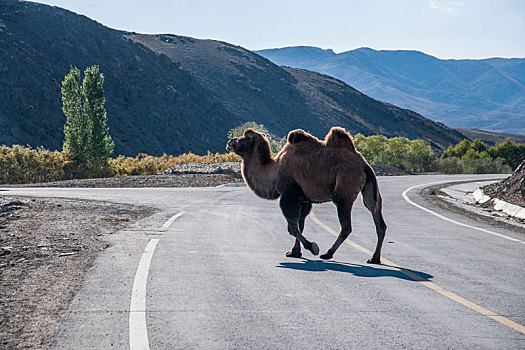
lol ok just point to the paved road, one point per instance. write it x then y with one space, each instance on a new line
218 277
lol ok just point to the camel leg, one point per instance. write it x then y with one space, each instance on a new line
296 250
344 211
376 210
306 207
292 208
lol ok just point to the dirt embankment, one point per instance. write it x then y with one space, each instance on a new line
46 247
511 189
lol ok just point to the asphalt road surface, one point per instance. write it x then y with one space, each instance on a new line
209 272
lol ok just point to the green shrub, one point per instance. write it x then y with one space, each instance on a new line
414 156
458 150
511 152
485 165
450 165
420 157
475 158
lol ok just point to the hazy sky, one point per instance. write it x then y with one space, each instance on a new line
443 28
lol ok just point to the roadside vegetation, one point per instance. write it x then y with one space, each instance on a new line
417 156
87 144
20 164
24 164
87 147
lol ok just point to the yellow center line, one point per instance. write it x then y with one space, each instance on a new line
503 320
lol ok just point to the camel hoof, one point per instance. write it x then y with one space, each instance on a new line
315 248
374 261
293 254
326 256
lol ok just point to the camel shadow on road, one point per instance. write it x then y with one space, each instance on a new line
353 269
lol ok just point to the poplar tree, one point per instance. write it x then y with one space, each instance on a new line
75 130
101 145
86 134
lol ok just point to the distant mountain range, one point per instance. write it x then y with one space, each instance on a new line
173 94
486 94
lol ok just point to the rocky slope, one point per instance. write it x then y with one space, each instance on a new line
172 94
511 189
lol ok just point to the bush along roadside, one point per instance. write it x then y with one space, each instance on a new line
23 164
476 158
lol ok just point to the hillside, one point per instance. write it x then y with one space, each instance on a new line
172 94
477 94
153 105
285 98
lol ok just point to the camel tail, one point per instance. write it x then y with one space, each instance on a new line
370 191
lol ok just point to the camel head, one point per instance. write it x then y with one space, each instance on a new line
251 141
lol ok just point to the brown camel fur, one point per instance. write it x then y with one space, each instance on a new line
308 171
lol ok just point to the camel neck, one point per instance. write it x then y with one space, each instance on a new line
261 176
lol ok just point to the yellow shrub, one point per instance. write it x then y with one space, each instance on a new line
20 164
144 164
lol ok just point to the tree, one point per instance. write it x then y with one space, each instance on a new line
478 145
511 152
475 162
373 148
75 131
457 151
86 134
276 143
411 155
101 145
420 156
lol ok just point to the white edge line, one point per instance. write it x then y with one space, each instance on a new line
173 218
450 220
138 332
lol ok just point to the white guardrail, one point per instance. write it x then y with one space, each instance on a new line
509 209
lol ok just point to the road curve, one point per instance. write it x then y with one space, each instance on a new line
218 277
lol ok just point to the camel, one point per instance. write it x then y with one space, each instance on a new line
308 171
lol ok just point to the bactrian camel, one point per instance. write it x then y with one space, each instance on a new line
308 171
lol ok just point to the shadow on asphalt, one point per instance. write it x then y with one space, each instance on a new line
354 269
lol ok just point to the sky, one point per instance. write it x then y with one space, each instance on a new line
443 28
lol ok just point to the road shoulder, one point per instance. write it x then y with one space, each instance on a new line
47 247
439 196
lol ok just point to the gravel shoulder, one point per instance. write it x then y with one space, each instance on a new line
183 180
47 246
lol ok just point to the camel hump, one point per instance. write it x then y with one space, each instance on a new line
339 138
300 136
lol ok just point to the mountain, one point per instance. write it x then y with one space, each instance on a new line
173 94
486 94
286 98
